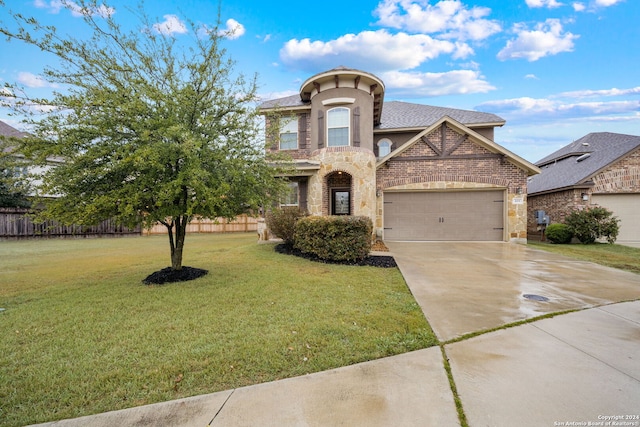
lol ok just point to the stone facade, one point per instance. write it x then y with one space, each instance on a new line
359 164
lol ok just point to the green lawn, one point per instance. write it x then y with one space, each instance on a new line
81 334
616 256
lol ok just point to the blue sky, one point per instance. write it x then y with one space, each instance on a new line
555 70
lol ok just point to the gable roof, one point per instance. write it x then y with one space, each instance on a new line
474 136
576 164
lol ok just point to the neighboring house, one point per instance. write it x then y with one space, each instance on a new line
419 172
29 172
599 169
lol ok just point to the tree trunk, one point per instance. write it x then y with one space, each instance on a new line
177 230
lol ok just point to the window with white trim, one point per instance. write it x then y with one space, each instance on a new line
384 147
289 133
338 127
291 197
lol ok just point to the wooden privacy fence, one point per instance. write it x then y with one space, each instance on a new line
242 223
16 223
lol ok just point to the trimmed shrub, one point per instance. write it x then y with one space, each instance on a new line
335 238
559 233
282 221
588 225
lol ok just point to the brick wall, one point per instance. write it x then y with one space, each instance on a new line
304 137
621 177
557 205
479 165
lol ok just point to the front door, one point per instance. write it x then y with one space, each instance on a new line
340 201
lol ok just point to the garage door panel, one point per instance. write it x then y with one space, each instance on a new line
627 208
466 215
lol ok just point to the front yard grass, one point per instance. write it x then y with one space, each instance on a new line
616 256
81 334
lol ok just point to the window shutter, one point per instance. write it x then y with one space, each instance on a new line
356 127
320 129
302 132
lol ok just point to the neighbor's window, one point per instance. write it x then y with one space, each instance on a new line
384 147
289 133
338 127
291 198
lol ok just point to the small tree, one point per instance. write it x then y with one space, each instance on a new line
588 225
150 130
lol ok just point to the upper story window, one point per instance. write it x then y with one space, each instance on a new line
338 127
289 133
384 147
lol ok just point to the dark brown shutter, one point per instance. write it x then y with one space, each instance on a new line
356 127
320 129
302 132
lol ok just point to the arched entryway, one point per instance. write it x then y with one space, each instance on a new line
338 194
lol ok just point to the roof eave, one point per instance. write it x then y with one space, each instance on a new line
582 186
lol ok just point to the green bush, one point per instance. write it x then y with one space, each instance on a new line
282 221
335 238
588 225
559 233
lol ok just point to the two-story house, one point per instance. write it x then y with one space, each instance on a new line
419 172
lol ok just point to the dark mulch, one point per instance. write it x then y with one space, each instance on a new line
371 261
169 275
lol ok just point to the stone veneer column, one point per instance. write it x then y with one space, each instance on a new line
360 163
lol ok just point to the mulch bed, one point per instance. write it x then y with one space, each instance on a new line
168 275
381 261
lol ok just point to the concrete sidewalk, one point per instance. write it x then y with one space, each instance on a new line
411 389
576 368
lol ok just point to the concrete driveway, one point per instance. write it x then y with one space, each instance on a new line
470 287
581 368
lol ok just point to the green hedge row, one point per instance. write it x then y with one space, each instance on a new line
334 238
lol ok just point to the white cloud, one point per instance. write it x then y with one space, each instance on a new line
448 18
33 81
547 38
233 30
392 51
531 77
607 3
533 109
54 6
594 5
543 3
171 25
602 92
416 84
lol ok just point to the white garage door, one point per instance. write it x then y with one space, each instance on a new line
459 215
627 208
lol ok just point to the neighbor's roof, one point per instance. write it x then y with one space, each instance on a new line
8 131
576 164
404 115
